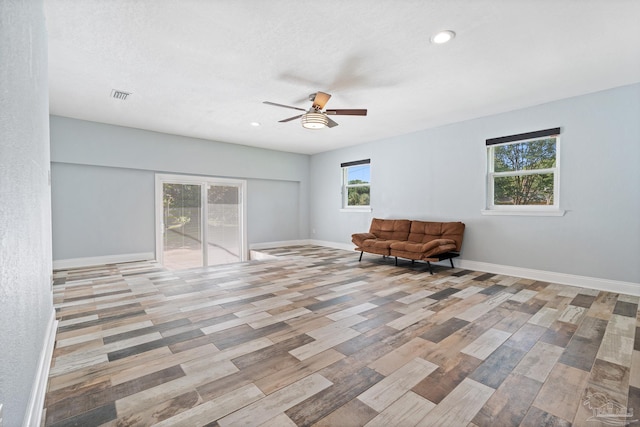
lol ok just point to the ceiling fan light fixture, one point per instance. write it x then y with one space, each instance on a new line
314 121
442 37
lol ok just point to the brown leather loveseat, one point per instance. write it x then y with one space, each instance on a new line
415 240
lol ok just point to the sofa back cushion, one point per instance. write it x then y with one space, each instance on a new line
425 231
390 229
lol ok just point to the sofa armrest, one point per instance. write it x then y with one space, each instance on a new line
358 238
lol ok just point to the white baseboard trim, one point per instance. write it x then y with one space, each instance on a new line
334 245
280 244
63 264
33 416
607 285
285 243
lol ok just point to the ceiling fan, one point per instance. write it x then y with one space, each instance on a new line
316 117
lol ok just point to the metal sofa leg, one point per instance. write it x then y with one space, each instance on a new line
430 270
361 252
451 261
396 261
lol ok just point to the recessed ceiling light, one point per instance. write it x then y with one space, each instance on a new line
254 124
442 37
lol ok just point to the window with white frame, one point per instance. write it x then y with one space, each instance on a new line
356 184
523 172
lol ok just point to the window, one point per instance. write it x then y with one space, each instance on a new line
523 174
356 185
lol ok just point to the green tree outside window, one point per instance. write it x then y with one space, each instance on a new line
524 173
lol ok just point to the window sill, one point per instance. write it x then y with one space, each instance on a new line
524 212
363 209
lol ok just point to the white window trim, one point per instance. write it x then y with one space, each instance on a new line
522 210
357 209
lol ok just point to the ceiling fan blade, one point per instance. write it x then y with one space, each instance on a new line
290 118
282 105
320 100
352 112
331 123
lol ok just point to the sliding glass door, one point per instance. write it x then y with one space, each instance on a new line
200 221
224 243
181 225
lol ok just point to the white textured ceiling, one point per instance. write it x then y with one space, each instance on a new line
202 68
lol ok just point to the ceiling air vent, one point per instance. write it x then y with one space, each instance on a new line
119 94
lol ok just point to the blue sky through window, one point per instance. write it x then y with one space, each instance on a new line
360 172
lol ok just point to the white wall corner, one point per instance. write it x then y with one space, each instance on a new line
33 415
63 264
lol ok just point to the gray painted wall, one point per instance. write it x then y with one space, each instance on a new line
25 215
100 171
101 211
439 174
278 201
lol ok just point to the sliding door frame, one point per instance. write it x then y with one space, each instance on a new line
204 182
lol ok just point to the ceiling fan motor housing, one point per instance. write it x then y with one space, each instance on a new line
316 117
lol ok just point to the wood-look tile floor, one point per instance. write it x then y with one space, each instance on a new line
315 338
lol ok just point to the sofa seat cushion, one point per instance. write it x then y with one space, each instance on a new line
422 247
378 243
378 246
418 251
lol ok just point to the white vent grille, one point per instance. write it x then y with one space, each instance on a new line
119 94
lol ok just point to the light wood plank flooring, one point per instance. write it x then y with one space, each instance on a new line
313 337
